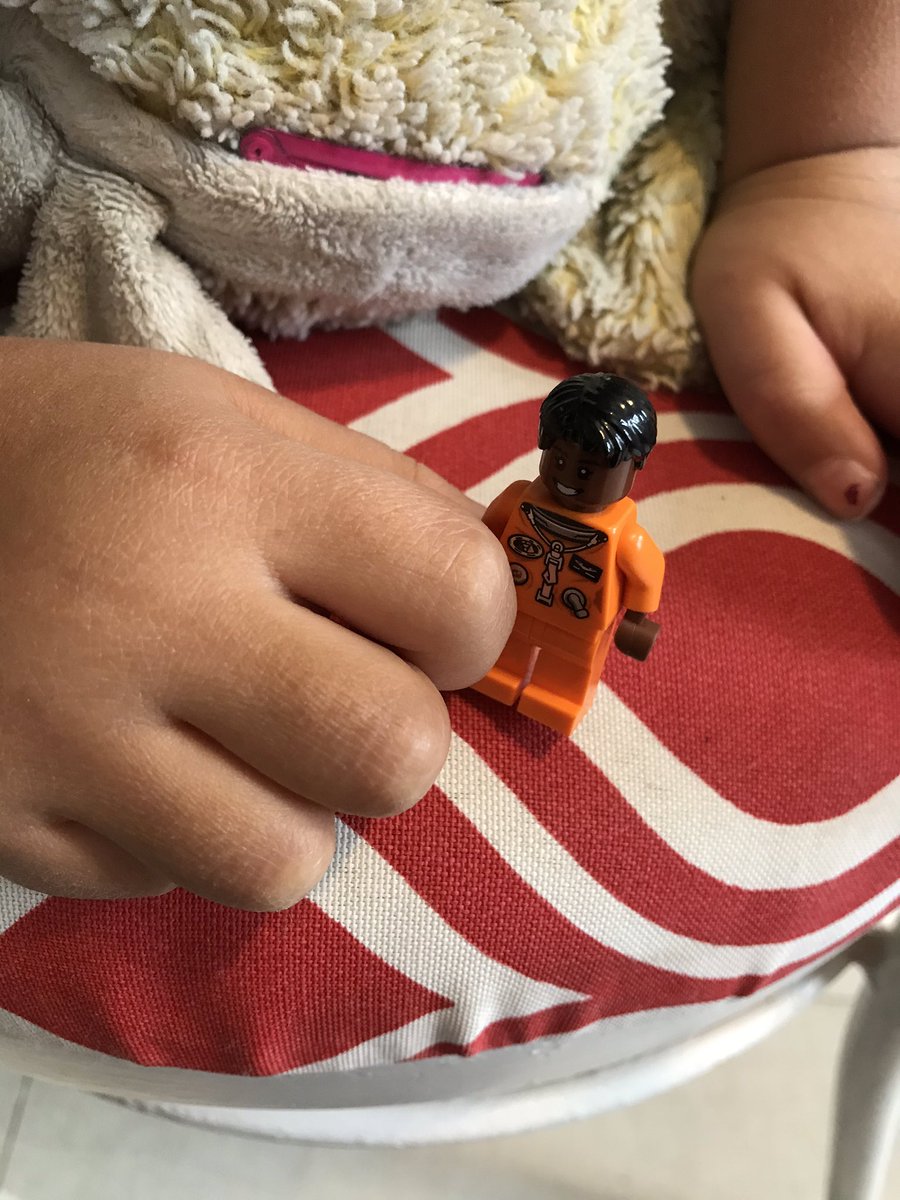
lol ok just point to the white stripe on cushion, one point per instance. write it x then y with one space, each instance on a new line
545 865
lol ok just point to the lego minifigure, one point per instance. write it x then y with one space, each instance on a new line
576 551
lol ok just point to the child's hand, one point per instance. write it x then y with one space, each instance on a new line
169 713
795 283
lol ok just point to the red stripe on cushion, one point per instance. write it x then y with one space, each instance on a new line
448 862
526 348
676 465
775 675
176 981
476 448
567 1018
346 375
487 328
587 815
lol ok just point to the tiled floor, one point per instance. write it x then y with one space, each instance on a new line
755 1128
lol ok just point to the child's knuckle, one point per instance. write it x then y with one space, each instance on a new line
407 758
276 881
476 580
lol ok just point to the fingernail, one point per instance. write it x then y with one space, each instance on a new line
846 488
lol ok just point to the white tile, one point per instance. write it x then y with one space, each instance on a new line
72 1147
756 1127
10 1082
77 1147
13 1093
444 1174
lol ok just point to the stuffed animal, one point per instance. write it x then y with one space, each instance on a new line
124 193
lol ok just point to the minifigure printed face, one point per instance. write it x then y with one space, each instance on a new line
582 481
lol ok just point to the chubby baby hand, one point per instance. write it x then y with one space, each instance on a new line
176 706
795 284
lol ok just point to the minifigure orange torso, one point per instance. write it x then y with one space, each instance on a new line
574 571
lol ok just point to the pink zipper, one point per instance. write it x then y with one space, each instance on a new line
302 153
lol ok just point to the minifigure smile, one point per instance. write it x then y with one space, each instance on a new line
567 491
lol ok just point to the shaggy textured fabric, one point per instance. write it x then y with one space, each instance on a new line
616 295
102 186
522 84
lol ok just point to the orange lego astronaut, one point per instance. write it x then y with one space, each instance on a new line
576 551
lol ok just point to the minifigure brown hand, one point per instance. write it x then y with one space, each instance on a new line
636 635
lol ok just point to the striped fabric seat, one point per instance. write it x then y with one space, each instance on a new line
726 816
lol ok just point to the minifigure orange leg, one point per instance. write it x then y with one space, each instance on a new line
562 688
504 680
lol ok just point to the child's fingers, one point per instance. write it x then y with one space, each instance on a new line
389 559
68 859
291 420
194 815
875 377
318 709
791 395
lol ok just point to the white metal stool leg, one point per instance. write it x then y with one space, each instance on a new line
867 1105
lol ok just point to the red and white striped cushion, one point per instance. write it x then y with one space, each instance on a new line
728 812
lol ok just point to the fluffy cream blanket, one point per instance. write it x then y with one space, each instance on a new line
136 221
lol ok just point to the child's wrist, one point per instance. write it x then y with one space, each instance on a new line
866 155
836 177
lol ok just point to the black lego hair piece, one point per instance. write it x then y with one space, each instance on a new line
600 413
